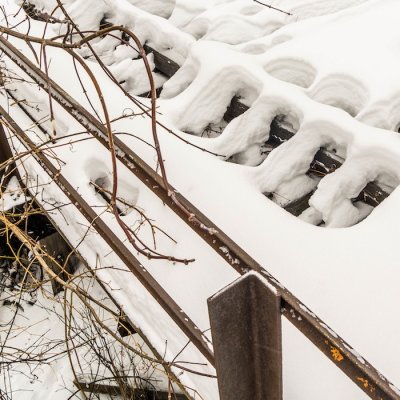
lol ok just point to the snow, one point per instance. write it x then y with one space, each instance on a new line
13 196
331 68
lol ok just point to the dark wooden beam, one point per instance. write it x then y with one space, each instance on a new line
163 64
132 393
125 327
235 109
60 258
296 207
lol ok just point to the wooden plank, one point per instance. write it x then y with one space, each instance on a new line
235 109
60 258
125 327
296 207
131 393
163 64
5 156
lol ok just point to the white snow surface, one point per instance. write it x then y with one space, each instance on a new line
331 68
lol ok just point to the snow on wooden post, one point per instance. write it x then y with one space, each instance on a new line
247 338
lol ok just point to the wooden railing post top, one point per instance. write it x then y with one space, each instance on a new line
249 278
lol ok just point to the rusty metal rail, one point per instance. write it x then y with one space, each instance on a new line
356 368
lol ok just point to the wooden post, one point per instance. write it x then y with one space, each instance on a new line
247 338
